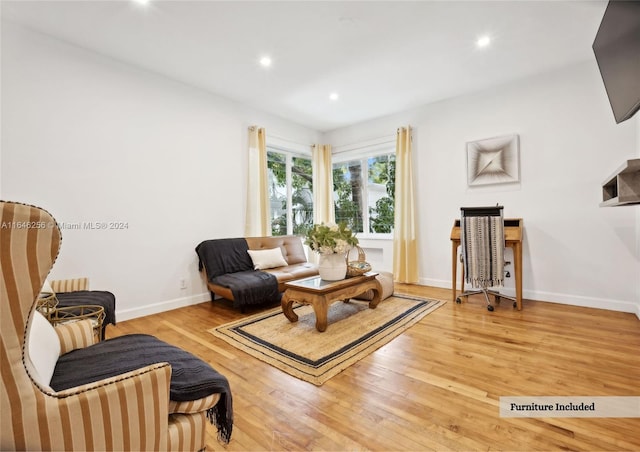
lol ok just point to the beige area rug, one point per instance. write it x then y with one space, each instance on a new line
353 332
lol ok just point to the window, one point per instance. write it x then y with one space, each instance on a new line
364 190
290 192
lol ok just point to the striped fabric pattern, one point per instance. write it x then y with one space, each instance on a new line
193 406
127 412
483 250
70 285
187 432
75 335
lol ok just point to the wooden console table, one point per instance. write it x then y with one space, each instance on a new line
320 294
513 239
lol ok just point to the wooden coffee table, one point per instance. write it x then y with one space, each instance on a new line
320 294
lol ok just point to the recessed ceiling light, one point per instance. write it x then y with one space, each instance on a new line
265 61
333 96
483 41
141 2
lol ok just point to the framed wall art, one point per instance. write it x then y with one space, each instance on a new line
493 161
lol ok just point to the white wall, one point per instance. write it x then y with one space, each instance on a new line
574 251
94 140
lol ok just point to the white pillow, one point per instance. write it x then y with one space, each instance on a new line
263 259
46 287
44 349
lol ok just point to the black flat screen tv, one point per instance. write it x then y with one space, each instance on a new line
617 51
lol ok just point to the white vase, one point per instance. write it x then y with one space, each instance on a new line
332 267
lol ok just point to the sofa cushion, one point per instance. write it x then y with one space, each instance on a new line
291 246
295 271
263 259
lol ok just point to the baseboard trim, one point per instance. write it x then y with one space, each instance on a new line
155 308
587 302
573 300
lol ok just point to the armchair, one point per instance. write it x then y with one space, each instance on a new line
127 411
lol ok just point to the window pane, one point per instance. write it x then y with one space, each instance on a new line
290 192
381 193
277 176
347 192
302 195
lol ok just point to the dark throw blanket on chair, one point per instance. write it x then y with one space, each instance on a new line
228 264
91 297
191 377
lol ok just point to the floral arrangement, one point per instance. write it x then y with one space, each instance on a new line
330 238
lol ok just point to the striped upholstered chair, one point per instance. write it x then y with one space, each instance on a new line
131 411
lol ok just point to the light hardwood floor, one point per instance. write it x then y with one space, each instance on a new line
435 387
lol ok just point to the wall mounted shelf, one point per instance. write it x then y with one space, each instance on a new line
622 188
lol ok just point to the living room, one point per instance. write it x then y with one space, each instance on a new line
93 138
117 165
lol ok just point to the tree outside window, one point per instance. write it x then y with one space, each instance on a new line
366 204
290 192
347 191
382 173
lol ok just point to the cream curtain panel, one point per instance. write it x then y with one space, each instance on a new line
405 244
322 169
323 210
257 216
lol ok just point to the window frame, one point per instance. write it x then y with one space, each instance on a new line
363 153
289 152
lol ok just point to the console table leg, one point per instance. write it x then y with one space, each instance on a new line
517 257
454 269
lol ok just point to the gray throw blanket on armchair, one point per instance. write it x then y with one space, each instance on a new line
191 377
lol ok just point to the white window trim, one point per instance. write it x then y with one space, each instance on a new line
368 146
284 145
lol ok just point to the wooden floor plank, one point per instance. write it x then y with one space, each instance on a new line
435 387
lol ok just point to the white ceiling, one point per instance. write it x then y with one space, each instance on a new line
381 57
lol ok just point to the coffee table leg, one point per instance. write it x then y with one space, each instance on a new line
287 308
320 307
377 293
